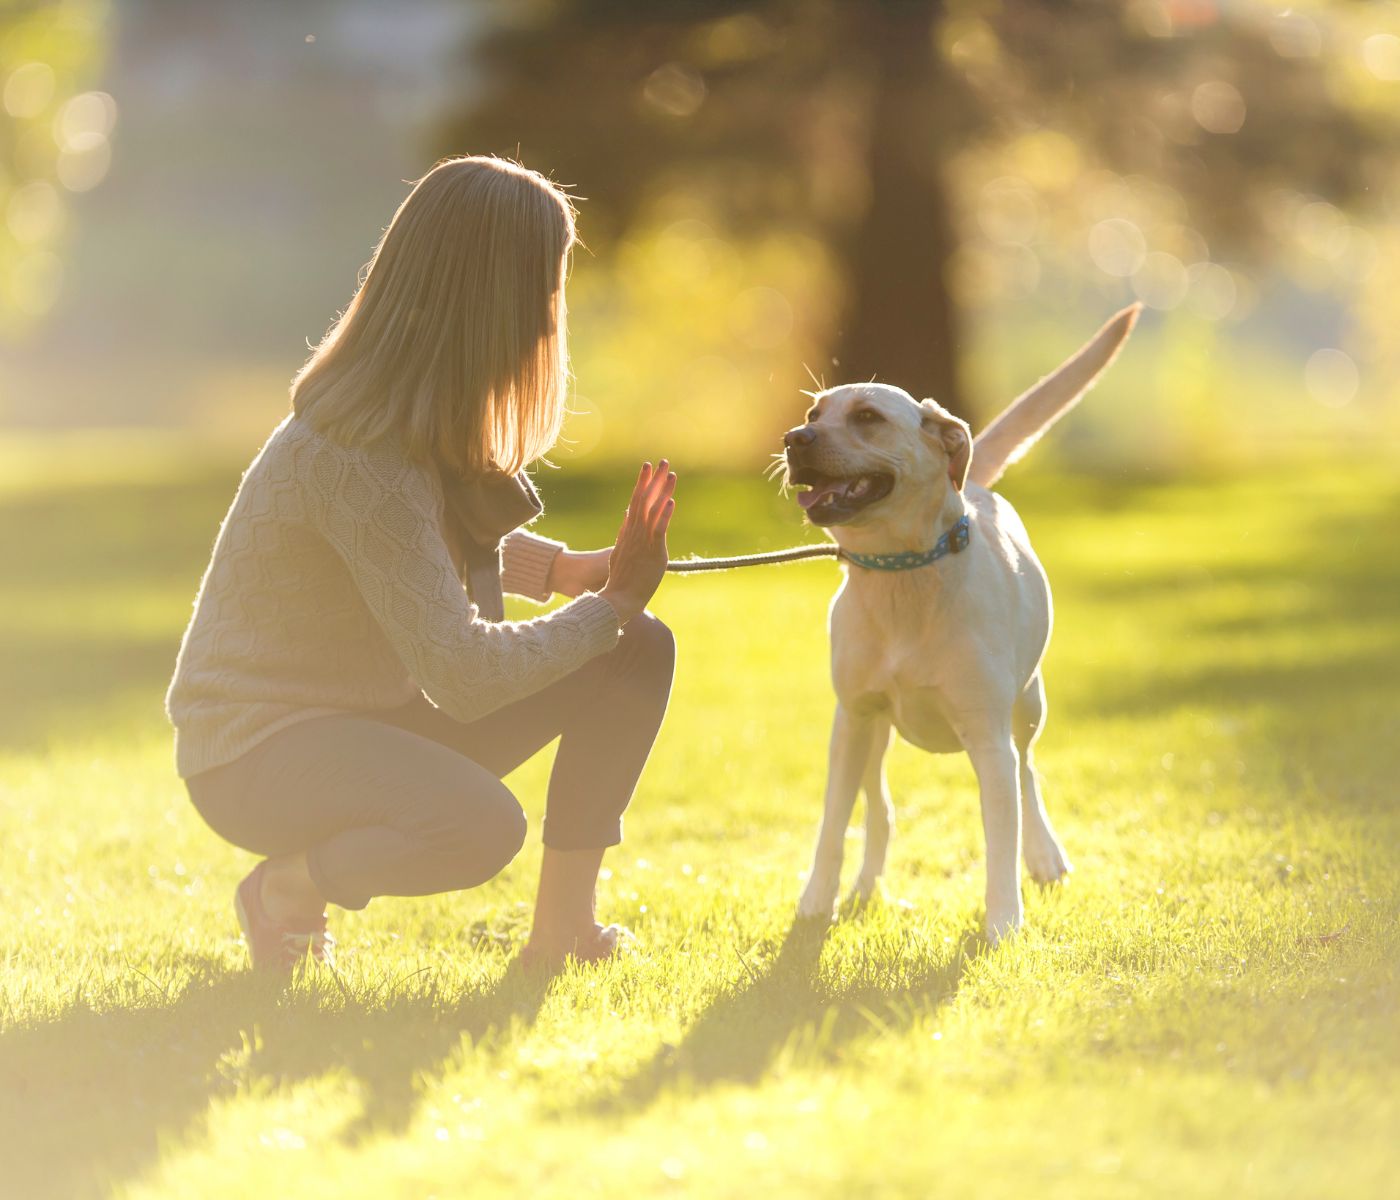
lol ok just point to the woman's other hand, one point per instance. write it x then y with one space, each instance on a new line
577 571
638 560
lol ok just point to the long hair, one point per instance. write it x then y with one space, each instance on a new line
455 343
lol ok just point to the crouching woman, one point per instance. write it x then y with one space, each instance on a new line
343 705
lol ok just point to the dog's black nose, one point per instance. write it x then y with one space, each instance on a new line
803 435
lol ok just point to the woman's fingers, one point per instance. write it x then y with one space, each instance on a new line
664 501
664 520
651 506
658 488
637 506
639 491
654 482
653 486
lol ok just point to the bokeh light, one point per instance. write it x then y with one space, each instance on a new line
83 161
1211 292
1161 281
1218 107
29 89
1117 247
1381 54
1294 35
34 213
674 89
1331 377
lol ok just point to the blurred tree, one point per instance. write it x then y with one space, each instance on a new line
843 116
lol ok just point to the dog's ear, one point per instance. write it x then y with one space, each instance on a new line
955 435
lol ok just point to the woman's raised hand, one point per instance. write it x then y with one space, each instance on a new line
638 560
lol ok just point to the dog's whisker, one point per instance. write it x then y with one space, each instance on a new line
778 470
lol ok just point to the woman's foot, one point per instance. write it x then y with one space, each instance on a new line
596 944
278 942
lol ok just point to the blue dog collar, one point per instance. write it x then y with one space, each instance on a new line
907 560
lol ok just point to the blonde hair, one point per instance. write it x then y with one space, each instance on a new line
455 343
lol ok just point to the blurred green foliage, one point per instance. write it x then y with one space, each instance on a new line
956 170
54 140
949 194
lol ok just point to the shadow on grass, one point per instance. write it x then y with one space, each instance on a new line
786 1007
90 1097
390 1048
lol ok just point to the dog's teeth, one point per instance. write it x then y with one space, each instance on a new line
860 487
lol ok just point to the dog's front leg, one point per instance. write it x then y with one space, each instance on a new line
879 815
851 739
998 770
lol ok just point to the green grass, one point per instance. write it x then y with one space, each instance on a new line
1208 1009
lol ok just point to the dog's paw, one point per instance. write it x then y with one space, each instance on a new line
866 890
1046 859
818 901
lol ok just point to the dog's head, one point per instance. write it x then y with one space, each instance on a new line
869 451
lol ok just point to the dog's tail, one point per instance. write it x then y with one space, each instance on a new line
1020 425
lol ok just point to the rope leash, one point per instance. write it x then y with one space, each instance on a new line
682 566
952 542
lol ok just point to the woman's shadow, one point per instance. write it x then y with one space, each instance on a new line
787 1005
90 1095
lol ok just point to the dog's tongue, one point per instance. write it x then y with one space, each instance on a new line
817 494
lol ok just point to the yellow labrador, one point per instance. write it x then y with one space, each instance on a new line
944 614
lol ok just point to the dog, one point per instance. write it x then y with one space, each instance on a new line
941 622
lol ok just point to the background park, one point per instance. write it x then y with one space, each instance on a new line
951 194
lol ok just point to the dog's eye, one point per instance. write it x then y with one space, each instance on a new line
866 416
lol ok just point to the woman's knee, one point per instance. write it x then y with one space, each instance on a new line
500 836
648 646
484 837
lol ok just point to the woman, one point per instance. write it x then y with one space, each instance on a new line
342 705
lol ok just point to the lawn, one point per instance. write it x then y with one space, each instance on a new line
1209 1008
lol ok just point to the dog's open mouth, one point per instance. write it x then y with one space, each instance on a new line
831 500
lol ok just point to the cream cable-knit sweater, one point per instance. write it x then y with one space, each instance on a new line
331 590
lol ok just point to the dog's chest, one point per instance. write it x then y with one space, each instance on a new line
922 714
908 656
902 685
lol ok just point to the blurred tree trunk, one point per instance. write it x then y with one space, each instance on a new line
900 324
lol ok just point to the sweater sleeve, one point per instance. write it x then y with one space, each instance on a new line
381 516
526 560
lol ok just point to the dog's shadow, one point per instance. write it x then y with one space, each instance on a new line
788 1005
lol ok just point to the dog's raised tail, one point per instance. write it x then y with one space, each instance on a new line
1020 425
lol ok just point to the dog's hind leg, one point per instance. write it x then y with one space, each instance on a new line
997 763
879 816
851 738
1045 856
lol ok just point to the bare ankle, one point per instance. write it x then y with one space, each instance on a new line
288 895
554 936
